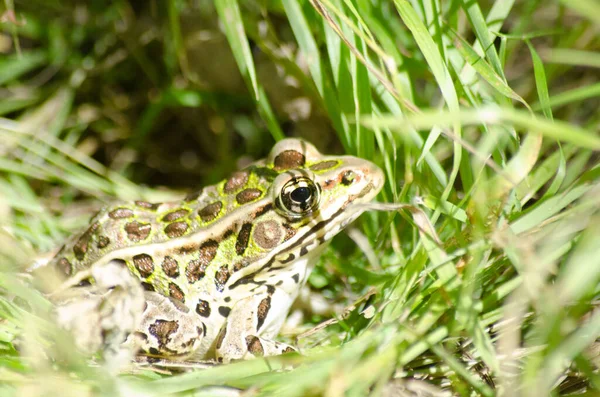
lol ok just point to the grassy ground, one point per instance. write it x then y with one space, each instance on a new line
485 112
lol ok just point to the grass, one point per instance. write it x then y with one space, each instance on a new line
483 113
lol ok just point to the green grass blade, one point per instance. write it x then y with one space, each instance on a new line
556 129
14 66
229 12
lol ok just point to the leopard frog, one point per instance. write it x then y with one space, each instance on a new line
220 269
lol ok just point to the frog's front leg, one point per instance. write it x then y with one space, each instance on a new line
251 325
168 328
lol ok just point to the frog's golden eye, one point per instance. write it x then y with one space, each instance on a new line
299 197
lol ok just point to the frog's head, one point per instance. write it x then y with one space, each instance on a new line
315 194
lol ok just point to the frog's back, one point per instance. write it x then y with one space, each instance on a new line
143 234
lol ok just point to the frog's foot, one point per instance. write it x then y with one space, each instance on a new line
249 326
168 328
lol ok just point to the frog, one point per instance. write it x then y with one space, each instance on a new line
213 276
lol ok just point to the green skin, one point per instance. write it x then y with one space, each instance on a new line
221 268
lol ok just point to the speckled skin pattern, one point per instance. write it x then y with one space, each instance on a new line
221 268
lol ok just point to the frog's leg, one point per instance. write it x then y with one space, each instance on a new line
117 309
102 315
251 324
168 328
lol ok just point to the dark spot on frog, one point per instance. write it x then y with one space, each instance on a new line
263 210
288 159
304 250
196 268
254 346
175 215
324 165
243 238
348 177
241 264
328 184
247 280
162 330
137 231
147 205
210 212
296 278
170 267
65 266
224 311
147 287
237 180
289 258
120 213
208 251
81 246
176 293
203 308
153 350
176 229
221 277
268 234
144 264
102 242
227 299
248 195
193 196
289 231
228 233
262 310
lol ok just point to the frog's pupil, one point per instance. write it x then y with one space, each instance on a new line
300 194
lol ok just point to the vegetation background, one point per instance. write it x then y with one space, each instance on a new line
483 112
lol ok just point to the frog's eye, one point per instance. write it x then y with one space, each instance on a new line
299 196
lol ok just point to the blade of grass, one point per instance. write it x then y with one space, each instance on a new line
569 56
229 12
586 8
14 66
579 94
436 62
486 71
556 129
302 32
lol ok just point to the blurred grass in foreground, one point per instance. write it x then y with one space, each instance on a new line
487 112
